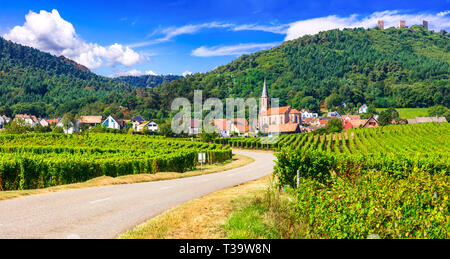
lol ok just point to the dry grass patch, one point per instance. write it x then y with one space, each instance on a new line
202 218
237 161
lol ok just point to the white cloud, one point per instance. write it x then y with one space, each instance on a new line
233 50
391 19
187 73
277 29
133 72
47 31
310 26
150 73
172 32
444 13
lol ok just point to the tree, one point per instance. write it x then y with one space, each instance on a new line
5 110
334 125
208 137
165 129
386 117
371 111
209 133
68 121
58 130
333 100
310 103
439 111
41 129
17 126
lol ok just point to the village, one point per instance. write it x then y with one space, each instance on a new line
220 123
271 121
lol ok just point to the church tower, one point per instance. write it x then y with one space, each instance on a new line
264 101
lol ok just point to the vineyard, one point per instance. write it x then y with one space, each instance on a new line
389 181
43 160
420 139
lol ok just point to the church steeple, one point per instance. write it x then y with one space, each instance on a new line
265 92
264 101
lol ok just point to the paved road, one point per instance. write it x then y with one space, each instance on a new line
106 212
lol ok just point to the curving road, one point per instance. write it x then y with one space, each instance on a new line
106 212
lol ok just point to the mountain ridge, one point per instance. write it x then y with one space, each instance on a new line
371 66
147 80
385 68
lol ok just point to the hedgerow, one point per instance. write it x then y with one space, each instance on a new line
43 160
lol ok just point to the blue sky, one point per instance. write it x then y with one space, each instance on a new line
181 36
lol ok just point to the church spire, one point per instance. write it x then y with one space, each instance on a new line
264 100
265 92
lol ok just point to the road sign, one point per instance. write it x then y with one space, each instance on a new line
202 158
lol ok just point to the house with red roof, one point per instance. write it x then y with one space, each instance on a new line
91 121
311 121
350 117
287 128
371 123
323 121
270 118
53 122
28 119
223 126
239 126
347 125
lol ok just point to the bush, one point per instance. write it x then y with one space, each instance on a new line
58 130
392 195
41 160
413 207
309 163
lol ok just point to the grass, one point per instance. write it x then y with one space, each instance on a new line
235 162
202 218
409 113
249 224
270 215
255 210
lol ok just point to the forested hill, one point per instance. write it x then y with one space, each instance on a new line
36 82
148 80
385 68
407 67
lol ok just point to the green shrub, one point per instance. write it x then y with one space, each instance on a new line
416 206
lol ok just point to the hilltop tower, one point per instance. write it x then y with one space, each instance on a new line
264 101
401 24
381 24
425 24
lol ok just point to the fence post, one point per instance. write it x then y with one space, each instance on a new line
298 178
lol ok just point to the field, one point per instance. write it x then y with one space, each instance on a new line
392 181
409 113
35 161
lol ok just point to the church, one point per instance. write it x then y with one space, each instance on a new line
277 120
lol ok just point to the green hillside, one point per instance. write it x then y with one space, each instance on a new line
147 80
38 83
402 68
410 113
385 68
